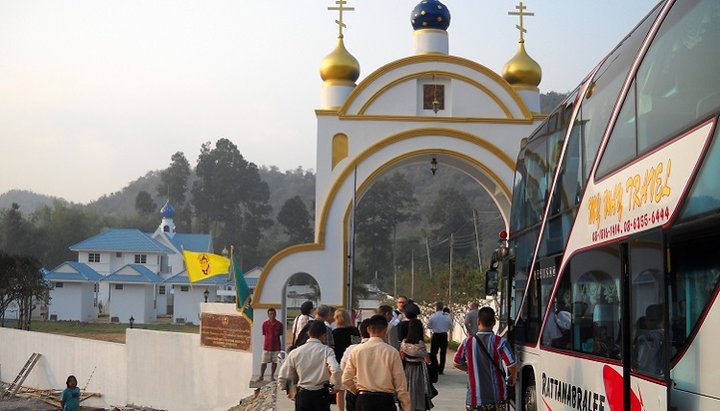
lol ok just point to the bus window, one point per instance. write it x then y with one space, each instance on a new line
602 93
589 291
694 276
704 196
622 146
536 180
517 216
677 80
527 326
647 303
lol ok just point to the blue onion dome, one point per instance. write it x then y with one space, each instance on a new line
167 211
430 14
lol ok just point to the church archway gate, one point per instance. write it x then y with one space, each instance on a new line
451 147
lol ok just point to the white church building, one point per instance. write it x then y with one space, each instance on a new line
128 273
431 108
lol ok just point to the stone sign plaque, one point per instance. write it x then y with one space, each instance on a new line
225 331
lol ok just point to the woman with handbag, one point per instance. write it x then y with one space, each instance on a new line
415 360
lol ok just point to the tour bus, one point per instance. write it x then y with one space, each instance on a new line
612 261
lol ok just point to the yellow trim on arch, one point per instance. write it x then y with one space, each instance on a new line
456 76
439 58
345 174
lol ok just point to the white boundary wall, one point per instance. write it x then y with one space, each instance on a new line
163 370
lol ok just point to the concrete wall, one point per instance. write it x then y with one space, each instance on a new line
163 370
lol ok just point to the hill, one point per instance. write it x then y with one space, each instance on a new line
28 200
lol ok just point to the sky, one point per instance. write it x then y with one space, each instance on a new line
96 93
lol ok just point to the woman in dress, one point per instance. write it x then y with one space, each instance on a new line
415 360
344 334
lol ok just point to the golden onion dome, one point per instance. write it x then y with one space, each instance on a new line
522 70
340 65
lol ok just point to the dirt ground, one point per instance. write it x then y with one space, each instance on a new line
34 404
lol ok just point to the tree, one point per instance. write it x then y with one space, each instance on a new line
295 218
230 199
22 283
382 208
174 179
17 234
451 213
62 225
144 204
174 186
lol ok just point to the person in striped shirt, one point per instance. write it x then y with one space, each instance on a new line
486 358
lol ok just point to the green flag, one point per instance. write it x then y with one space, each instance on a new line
242 291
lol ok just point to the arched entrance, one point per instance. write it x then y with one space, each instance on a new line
475 124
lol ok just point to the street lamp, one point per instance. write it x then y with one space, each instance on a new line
206 294
132 321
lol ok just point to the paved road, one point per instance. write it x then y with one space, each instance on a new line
450 386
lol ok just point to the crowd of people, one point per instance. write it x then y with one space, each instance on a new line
385 362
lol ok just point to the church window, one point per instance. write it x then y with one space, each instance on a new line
93 258
339 148
118 286
140 258
433 97
161 290
118 254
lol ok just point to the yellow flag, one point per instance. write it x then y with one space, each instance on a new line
203 265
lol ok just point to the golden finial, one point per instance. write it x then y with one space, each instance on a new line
340 9
521 12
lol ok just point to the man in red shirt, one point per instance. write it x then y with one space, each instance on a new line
272 329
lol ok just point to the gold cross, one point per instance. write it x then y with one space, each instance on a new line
340 9
521 12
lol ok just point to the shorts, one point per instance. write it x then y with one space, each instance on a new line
270 357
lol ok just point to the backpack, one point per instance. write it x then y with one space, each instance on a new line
302 336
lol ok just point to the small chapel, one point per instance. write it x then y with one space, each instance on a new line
429 107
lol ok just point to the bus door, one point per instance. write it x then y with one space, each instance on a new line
645 329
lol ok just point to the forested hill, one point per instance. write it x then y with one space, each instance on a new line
282 185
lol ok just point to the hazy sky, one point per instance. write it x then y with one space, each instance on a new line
95 93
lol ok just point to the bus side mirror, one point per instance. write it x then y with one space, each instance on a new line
491 282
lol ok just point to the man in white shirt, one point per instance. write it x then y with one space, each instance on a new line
440 323
312 365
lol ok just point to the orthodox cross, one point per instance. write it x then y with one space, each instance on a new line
521 12
340 9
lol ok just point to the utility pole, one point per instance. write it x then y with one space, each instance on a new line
351 246
395 280
451 270
412 273
477 239
427 250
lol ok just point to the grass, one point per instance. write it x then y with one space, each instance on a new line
76 327
100 331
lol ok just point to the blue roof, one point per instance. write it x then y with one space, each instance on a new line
182 278
72 271
138 274
192 242
251 282
121 239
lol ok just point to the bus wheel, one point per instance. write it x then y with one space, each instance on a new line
529 396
